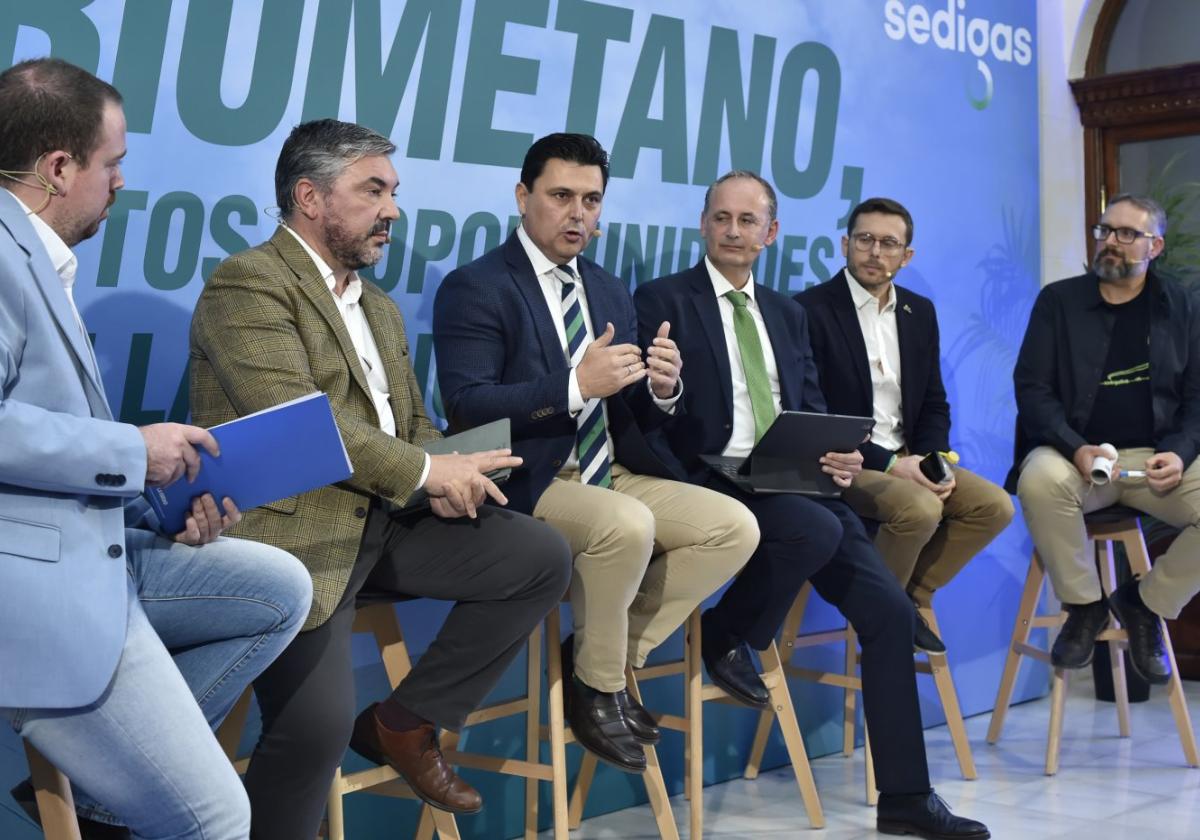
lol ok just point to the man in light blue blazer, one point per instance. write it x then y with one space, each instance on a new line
93 601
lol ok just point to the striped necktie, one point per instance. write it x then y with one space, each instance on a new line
591 438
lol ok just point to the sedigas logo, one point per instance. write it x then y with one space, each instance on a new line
953 29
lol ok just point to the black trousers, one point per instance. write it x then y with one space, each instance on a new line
823 540
506 571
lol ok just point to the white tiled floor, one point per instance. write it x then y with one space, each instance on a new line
1107 788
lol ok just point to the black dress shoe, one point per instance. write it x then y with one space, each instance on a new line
925 815
1076 640
923 636
642 724
600 727
730 665
1146 651
23 794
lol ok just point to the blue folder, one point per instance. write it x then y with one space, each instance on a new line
291 448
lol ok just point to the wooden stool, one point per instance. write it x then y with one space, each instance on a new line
1105 528
849 681
376 615
56 806
691 725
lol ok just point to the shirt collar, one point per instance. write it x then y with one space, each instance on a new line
61 256
353 291
721 286
862 297
540 262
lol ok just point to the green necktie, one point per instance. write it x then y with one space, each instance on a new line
753 365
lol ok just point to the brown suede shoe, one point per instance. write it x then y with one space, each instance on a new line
416 756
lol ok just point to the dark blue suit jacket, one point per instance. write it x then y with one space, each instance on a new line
841 356
498 355
688 302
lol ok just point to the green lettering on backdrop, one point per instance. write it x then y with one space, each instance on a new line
791 267
380 86
423 368
135 383
140 51
113 245
822 249
425 249
222 229
818 58
202 60
663 48
745 114
477 221
596 24
489 70
158 276
73 36
637 262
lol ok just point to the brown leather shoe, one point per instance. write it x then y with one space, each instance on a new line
416 756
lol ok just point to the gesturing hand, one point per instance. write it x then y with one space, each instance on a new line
607 368
457 484
663 363
171 451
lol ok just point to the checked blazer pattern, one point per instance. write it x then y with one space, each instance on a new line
266 330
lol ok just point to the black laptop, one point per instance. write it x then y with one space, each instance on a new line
787 458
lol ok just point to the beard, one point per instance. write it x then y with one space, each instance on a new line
1112 270
350 248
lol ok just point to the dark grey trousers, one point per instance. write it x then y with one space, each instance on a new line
505 571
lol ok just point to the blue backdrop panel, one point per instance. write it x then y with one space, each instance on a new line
934 104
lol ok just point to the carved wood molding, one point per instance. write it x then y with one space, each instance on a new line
1139 97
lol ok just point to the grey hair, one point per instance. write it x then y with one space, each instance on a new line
320 151
1158 216
772 202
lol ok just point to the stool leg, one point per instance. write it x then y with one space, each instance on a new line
1058 694
533 719
694 782
52 789
1139 562
447 827
583 784
872 791
1106 556
229 733
558 749
850 695
787 644
334 816
781 701
656 786
942 678
1026 611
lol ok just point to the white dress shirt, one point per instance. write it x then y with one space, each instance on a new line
551 287
883 357
741 440
349 307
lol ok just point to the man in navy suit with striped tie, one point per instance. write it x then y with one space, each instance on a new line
535 332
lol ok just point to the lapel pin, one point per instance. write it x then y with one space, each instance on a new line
906 309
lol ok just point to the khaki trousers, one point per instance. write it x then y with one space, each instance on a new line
1054 497
924 541
647 552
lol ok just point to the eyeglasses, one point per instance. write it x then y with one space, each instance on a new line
866 242
1125 235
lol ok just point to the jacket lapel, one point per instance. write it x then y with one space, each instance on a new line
314 288
847 320
777 332
49 284
907 331
543 319
709 313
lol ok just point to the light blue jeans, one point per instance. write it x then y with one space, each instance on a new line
203 623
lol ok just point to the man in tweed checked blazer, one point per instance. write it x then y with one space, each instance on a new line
291 317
